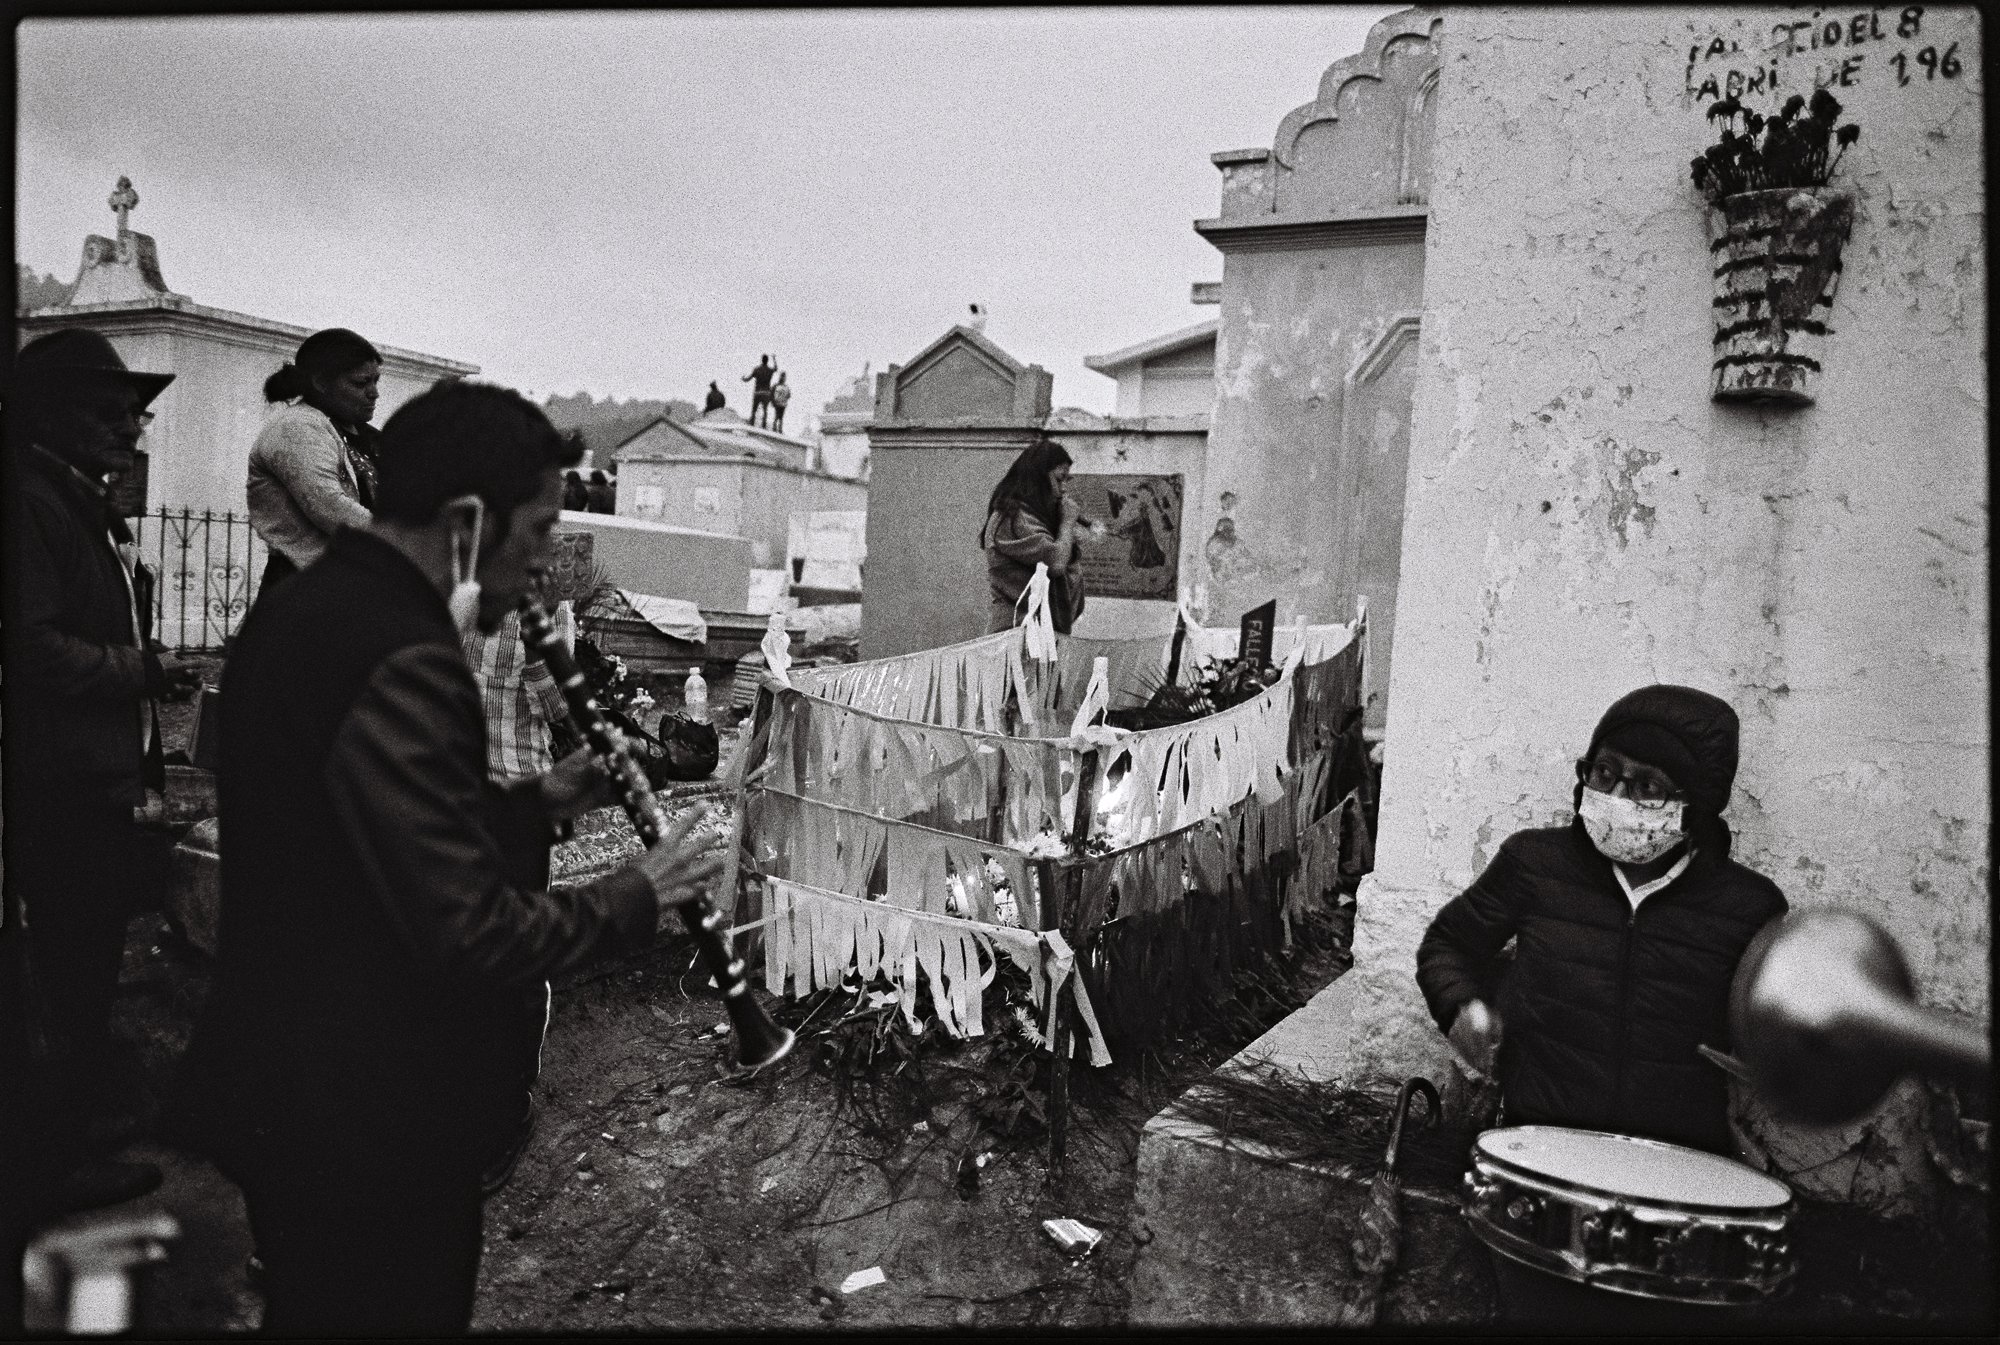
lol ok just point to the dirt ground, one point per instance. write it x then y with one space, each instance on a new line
659 1194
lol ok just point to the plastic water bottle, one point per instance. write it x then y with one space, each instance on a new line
695 697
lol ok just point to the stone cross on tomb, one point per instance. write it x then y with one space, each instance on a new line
122 201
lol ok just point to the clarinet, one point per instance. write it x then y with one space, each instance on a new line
759 1040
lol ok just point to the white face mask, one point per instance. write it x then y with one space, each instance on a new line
464 599
1623 831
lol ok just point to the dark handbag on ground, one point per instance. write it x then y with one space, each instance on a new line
685 749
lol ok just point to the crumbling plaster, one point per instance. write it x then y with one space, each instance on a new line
1581 518
1322 242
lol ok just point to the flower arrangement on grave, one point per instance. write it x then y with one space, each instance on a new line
1779 232
1792 154
1218 684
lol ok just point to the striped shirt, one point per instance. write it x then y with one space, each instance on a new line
521 700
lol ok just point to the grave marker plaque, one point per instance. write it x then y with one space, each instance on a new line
1254 642
1139 556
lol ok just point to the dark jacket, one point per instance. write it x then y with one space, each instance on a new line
375 959
1603 1006
77 673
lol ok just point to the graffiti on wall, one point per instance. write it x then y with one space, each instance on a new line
1827 51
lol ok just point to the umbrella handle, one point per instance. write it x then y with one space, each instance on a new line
1432 1108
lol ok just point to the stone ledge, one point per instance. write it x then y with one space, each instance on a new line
1239 1237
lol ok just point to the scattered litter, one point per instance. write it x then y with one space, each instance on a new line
969 1165
769 1183
606 1135
819 1293
720 1029
862 1279
1076 1240
921 1128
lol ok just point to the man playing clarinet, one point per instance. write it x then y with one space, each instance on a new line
359 1066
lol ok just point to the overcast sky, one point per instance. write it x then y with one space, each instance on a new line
633 203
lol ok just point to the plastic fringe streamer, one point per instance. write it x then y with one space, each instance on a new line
814 938
964 685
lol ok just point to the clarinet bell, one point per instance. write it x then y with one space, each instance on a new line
760 1041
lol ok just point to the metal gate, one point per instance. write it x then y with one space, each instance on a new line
208 566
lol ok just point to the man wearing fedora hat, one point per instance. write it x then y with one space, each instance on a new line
82 751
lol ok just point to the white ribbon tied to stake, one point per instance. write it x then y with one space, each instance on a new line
1096 696
777 647
1040 626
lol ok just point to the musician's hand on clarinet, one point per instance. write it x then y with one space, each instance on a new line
687 860
576 784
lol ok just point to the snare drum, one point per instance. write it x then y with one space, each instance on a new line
1634 1216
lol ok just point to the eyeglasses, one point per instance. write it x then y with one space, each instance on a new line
112 411
1648 791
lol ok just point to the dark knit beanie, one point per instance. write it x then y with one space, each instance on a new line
1689 734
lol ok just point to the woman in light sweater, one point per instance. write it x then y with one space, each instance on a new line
1029 519
312 469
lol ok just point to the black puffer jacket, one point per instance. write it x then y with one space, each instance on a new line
1603 1006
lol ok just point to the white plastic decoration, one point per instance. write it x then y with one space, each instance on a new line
1040 626
1298 651
777 646
1096 696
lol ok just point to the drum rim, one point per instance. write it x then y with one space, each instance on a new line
1481 1154
1727 1293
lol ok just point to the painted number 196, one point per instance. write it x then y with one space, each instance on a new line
1935 66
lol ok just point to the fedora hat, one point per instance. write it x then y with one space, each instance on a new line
76 354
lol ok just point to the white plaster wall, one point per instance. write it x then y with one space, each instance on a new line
709 569
1172 391
844 453
1581 518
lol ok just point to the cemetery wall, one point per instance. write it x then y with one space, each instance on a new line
1582 518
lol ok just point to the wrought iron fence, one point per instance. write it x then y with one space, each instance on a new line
208 567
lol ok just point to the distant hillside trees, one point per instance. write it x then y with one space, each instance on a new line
580 410
33 290
606 424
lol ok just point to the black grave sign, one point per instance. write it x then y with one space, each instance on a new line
1254 643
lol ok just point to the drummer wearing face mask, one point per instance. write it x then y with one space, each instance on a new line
1627 924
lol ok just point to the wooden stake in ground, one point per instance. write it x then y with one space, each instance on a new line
1059 906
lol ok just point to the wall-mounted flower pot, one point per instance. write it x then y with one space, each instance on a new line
1777 261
